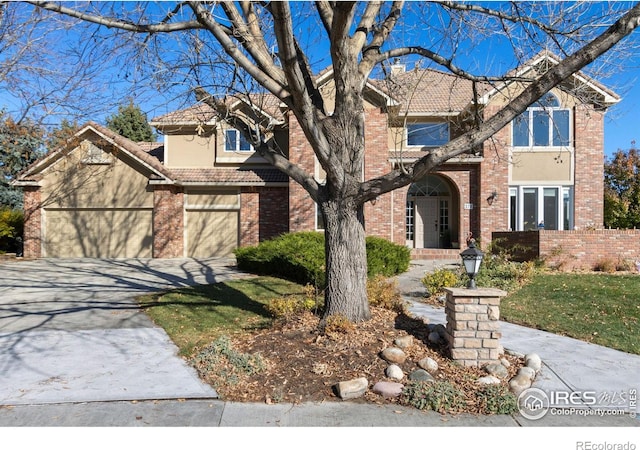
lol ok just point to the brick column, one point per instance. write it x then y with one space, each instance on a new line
494 176
168 222
472 325
249 216
378 214
589 167
302 210
32 239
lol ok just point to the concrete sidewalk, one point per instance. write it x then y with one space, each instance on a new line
100 400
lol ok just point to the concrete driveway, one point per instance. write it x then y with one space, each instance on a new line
70 330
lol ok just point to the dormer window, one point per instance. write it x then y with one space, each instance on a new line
234 141
427 134
543 124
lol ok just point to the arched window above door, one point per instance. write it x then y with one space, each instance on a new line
430 186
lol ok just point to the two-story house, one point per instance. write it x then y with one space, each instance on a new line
203 191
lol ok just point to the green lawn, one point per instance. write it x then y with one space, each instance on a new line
194 317
599 308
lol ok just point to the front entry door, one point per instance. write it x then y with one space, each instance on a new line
427 222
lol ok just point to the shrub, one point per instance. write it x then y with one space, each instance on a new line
295 256
625 265
338 324
442 278
384 293
497 399
300 257
289 305
498 272
11 228
605 265
386 258
222 359
440 396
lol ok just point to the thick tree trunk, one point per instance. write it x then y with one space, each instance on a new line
346 261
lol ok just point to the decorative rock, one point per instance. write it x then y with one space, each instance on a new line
421 375
514 353
394 372
388 389
497 370
505 362
519 383
533 360
404 341
428 364
393 355
490 379
527 372
352 389
434 337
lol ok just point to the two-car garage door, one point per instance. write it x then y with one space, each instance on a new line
211 222
98 233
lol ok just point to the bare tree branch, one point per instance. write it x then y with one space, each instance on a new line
162 27
554 76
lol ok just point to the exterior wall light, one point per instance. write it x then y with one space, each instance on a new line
472 258
492 197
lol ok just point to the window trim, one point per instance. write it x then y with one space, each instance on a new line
530 112
561 190
426 122
238 139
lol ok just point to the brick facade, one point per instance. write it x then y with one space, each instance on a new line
302 210
264 213
589 167
168 222
493 177
32 240
577 249
378 213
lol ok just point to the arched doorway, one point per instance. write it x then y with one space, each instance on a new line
431 214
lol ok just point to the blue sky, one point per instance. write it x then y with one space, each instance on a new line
621 124
622 121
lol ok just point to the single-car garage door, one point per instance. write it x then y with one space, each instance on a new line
98 233
211 233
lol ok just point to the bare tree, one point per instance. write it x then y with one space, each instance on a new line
217 48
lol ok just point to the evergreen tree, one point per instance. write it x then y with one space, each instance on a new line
131 123
20 145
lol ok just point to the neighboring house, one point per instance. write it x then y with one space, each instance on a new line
204 191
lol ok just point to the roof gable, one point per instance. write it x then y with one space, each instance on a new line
32 174
591 91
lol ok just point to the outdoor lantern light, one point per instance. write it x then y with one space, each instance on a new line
472 258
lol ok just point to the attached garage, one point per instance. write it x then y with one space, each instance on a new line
95 233
211 222
96 201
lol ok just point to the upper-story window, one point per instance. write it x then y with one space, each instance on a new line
543 124
234 141
428 134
